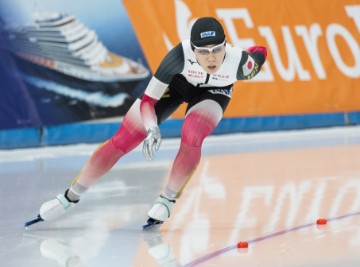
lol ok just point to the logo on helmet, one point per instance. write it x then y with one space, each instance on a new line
207 34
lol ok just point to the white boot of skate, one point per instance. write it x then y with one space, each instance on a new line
162 208
53 209
159 212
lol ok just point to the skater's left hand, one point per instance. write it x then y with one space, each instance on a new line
153 140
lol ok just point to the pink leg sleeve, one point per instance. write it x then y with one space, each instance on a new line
130 134
200 121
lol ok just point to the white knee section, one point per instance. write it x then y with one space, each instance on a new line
162 209
52 209
209 108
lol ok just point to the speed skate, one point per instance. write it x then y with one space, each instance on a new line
159 212
53 209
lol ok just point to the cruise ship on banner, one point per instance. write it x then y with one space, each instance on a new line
65 51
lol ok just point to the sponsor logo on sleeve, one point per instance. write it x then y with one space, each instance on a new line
254 71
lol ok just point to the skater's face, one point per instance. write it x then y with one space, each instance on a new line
210 57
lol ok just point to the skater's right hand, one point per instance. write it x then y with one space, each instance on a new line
153 140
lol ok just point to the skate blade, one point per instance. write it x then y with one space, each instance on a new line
38 219
152 224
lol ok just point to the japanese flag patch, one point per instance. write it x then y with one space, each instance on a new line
248 67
